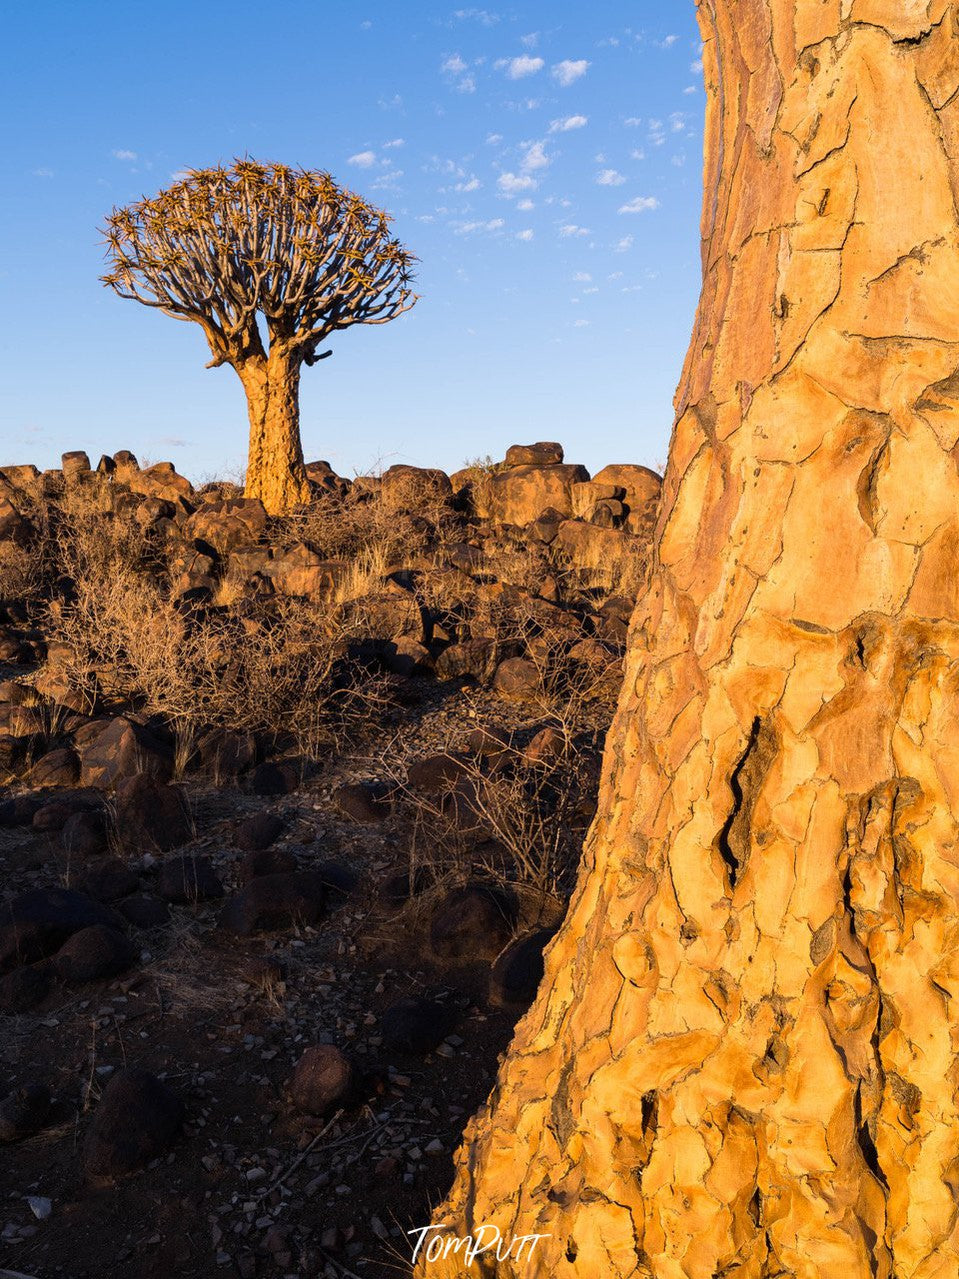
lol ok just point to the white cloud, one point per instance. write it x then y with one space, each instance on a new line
623 246
512 183
633 121
583 277
534 157
477 15
677 121
467 84
494 138
667 42
363 159
657 133
678 161
524 235
124 155
640 204
388 181
637 154
570 229
474 184
517 68
365 24
609 178
696 67
690 88
529 41
467 228
525 205
568 71
396 142
453 65
570 122
581 324
47 173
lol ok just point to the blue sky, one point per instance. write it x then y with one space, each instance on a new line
542 160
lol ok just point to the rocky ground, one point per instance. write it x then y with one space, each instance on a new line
262 941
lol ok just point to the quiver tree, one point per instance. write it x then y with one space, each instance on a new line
744 1058
262 247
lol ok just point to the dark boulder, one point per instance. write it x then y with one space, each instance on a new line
54 813
23 1112
93 954
137 1120
25 987
86 833
20 810
108 881
274 903
363 802
258 832
36 923
189 879
145 911
518 680
265 861
545 453
152 814
122 749
396 890
473 922
416 1025
275 778
435 773
518 971
59 767
225 754
323 1079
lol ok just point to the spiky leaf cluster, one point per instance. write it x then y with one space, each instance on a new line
225 244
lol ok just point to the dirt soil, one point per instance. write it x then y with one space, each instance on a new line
253 1188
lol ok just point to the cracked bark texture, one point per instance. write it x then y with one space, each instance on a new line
275 472
743 1059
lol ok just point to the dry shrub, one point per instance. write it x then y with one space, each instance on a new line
20 572
599 574
278 668
355 526
184 983
517 822
481 471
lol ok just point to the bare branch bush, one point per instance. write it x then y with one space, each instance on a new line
595 573
513 820
281 669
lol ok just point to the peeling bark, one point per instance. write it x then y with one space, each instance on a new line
743 1060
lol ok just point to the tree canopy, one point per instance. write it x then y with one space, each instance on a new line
224 245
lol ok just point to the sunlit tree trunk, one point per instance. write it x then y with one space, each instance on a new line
744 1059
275 472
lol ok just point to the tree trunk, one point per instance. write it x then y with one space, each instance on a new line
275 472
743 1060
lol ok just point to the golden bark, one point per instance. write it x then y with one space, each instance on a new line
743 1059
275 471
